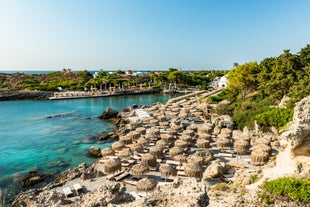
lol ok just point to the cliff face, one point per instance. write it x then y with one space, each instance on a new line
295 158
11 94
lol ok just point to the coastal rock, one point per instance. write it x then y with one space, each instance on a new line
295 158
94 151
215 169
32 178
108 114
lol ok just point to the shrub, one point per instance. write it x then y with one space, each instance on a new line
294 188
221 187
277 117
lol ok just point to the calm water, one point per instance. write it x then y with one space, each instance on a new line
31 141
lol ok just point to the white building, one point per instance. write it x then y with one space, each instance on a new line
219 82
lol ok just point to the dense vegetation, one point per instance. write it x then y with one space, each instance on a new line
83 80
294 188
255 89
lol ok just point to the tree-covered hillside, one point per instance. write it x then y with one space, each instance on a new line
257 88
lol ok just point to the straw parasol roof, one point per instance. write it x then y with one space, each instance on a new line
204 129
162 118
157 152
203 143
112 166
192 127
148 160
164 124
222 143
181 143
193 170
188 132
117 146
142 141
134 135
195 159
136 147
241 146
107 151
141 130
125 139
167 170
205 136
173 132
146 184
154 122
186 138
263 147
177 128
154 131
162 143
261 141
180 158
124 153
175 151
166 137
139 170
259 157
226 131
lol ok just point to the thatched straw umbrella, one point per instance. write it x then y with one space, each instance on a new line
193 170
241 146
262 141
176 128
125 140
157 152
139 170
146 120
125 153
263 147
162 143
154 122
181 143
162 118
154 131
204 129
167 170
134 135
206 155
117 146
146 185
148 160
142 141
222 143
164 124
166 137
226 131
173 132
225 136
259 157
107 152
141 130
188 132
202 143
175 151
205 136
180 158
193 128
112 166
136 147
183 114
195 159
186 138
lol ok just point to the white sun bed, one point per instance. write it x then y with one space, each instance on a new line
67 191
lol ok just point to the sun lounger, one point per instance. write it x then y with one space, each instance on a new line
135 195
153 168
225 155
236 165
181 168
67 191
172 162
181 173
78 188
122 176
125 164
130 182
112 176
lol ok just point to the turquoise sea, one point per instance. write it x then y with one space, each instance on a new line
32 141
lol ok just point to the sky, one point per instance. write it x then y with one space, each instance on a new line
148 34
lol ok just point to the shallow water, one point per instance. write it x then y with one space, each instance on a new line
31 141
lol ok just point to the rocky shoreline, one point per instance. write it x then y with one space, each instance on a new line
16 94
214 189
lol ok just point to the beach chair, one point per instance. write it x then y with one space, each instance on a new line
67 191
135 195
122 176
78 188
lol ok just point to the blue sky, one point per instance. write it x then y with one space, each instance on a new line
148 34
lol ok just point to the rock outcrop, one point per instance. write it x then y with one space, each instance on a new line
94 151
108 114
295 158
32 178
